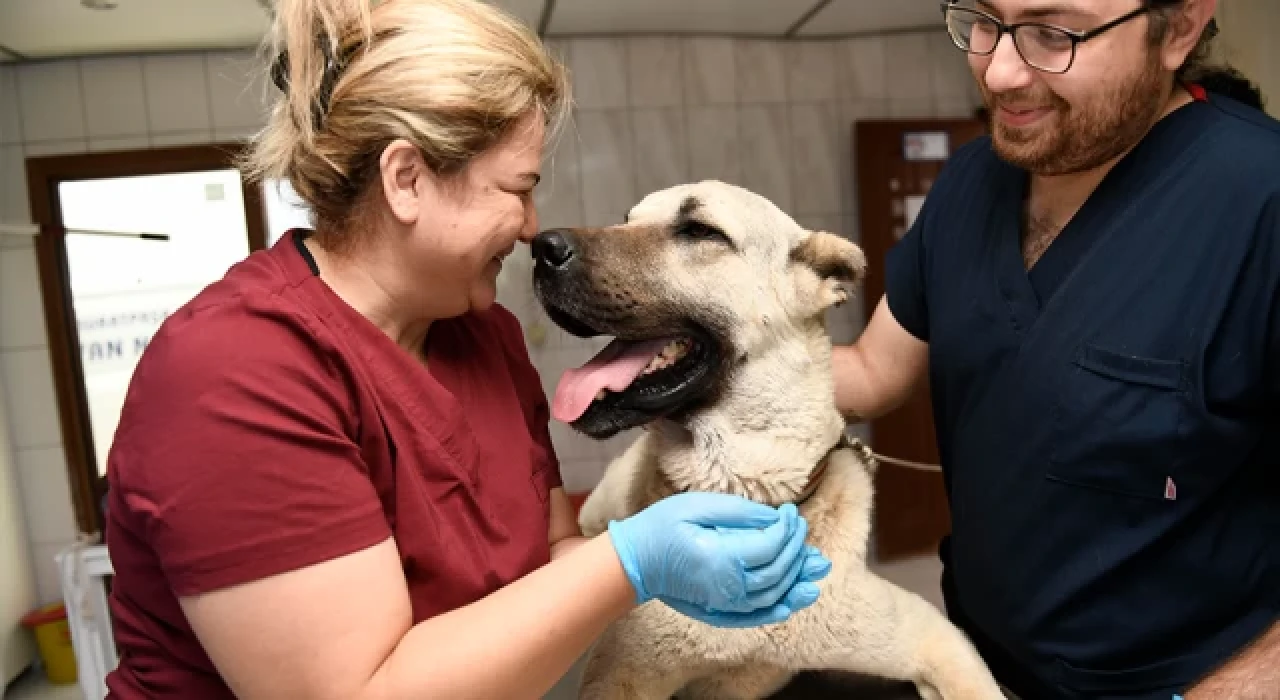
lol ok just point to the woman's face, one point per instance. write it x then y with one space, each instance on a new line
467 224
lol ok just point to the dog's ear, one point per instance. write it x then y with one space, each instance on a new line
837 261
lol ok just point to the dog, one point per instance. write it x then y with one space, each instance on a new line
716 302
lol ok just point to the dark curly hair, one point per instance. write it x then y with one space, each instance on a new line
1218 78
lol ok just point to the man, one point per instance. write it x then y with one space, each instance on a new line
1094 291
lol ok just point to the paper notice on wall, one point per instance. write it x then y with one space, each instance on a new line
926 146
913 202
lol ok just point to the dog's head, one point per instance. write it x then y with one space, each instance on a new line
699 278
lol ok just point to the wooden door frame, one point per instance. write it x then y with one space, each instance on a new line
44 174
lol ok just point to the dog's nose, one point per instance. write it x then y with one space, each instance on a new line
552 248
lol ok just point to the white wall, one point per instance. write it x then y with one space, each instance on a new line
17 578
770 116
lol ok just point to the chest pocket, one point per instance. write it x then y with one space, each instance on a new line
1118 424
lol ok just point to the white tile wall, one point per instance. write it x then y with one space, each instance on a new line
714 152
655 73
50 101
710 71
14 205
10 115
864 70
48 581
772 116
661 148
910 67
21 311
42 472
764 140
812 71
761 70
177 94
816 158
599 69
909 107
606 156
114 97
27 377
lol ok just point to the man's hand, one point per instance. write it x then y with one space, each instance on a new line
1252 674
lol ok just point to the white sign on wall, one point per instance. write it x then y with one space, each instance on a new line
926 146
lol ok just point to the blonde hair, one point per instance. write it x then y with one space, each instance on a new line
451 77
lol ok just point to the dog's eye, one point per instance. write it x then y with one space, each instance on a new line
698 231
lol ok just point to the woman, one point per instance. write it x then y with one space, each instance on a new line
333 476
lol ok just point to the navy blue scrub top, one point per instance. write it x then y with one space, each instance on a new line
1109 422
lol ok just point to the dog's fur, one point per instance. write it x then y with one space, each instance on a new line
758 419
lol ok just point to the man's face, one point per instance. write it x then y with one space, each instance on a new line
1053 124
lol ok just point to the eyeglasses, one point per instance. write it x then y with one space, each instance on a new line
1043 46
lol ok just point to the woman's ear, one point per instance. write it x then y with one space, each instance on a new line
403 179
838 262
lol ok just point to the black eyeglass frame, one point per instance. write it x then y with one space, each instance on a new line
1076 37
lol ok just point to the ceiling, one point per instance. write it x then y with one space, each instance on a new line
43 29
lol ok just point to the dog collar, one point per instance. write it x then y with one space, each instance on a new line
820 471
815 477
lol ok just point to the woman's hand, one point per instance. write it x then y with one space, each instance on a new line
724 560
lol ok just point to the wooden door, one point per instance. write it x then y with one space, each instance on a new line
897 162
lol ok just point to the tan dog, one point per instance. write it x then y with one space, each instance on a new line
717 301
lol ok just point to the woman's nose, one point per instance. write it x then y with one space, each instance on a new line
530 229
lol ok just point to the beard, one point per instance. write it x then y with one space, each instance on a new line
1074 138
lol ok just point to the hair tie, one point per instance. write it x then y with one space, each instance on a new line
328 80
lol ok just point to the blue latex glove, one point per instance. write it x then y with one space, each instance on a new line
724 560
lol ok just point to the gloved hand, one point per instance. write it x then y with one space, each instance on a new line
724 560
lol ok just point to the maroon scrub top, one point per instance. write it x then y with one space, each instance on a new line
269 426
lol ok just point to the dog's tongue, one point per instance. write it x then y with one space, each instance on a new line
613 368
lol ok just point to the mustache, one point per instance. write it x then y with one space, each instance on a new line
1022 99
